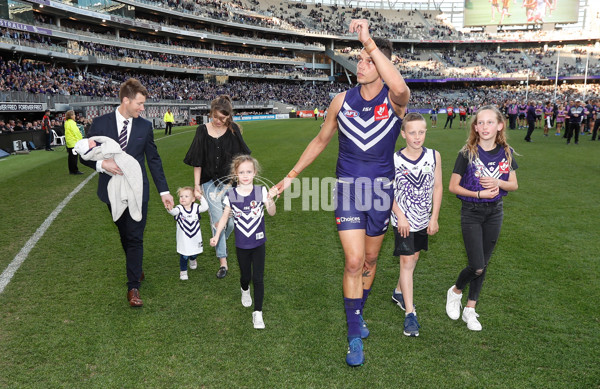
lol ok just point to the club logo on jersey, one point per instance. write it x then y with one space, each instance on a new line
405 172
478 171
503 166
237 214
350 113
381 112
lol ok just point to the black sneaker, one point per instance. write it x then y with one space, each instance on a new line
222 272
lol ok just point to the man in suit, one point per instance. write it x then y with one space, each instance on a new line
136 137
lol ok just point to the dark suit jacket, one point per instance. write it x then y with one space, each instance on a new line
141 146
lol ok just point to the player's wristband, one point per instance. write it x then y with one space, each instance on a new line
478 196
292 174
370 46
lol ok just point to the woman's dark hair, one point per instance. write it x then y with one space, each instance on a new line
224 106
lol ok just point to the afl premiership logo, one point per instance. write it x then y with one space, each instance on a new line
351 113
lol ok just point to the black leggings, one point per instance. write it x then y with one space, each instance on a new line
481 224
252 266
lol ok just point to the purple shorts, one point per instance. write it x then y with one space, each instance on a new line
363 205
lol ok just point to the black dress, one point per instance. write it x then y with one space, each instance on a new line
214 155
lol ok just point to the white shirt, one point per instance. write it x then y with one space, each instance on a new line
120 123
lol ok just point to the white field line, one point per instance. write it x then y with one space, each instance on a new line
18 260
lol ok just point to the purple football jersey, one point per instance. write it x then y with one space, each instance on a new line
368 131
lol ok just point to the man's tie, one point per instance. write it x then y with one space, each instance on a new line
123 136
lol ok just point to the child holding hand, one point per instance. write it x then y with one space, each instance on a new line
247 202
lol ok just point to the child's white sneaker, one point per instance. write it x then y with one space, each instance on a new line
193 264
257 319
246 298
469 316
453 304
183 275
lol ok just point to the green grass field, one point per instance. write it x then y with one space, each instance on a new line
65 322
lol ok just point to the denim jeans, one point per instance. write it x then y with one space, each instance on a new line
214 196
481 224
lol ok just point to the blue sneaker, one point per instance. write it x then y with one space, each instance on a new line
411 325
399 300
355 356
364 330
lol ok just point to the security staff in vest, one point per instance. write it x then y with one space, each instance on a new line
168 119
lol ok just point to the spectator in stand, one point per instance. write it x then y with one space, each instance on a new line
19 126
72 136
3 127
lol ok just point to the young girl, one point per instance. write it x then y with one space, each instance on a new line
483 173
189 236
247 202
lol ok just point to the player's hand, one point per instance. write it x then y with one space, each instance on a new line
167 201
403 226
273 193
361 26
489 182
213 241
283 185
433 227
111 167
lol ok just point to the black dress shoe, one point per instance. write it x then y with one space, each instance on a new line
76 173
222 272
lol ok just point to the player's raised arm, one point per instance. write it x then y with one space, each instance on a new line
317 145
399 91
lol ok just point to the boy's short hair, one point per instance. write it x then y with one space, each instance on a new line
412 117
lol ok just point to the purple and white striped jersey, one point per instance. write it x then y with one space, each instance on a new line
413 188
248 216
189 235
368 131
489 164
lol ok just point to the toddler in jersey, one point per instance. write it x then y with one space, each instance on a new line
189 236
247 203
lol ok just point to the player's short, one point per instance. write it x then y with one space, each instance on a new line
521 115
434 116
413 243
463 118
363 205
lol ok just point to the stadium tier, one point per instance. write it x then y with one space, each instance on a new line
270 55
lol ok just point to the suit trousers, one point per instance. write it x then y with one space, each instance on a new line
132 240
